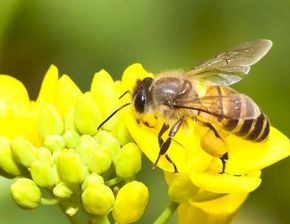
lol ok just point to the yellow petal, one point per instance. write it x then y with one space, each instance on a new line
67 93
47 91
132 74
246 156
24 124
106 96
12 91
16 116
225 183
218 211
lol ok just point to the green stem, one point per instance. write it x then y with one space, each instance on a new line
95 219
167 213
49 201
73 219
113 181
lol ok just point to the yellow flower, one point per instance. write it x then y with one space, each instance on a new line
198 186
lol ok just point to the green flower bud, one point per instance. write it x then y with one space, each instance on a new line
62 190
128 162
25 193
87 145
98 199
7 162
50 122
182 189
96 160
87 114
45 155
130 203
24 152
54 142
106 95
69 122
109 144
121 133
100 162
43 174
70 167
102 219
71 139
92 180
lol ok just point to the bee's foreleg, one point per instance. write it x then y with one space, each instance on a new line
164 145
215 147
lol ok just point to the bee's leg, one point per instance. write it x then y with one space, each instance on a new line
211 127
161 132
225 156
163 129
174 165
165 145
224 159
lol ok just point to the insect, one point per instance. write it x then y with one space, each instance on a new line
203 94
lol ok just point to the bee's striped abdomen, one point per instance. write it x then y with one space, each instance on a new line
252 124
238 114
260 129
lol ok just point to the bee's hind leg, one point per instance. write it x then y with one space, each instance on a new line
170 161
222 150
224 159
164 145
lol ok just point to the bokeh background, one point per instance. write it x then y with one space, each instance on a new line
82 37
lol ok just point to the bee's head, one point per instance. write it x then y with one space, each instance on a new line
141 94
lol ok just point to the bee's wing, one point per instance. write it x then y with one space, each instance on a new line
233 65
232 106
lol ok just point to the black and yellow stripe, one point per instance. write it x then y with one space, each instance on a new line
256 129
239 115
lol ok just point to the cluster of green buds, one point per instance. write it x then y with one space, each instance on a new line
82 169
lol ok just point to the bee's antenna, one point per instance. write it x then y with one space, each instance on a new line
112 114
127 91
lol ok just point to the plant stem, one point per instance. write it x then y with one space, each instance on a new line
95 219
167 213
113 181
49 201
73 219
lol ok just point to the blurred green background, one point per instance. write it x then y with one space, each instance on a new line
82 37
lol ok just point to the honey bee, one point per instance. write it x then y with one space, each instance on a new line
203 94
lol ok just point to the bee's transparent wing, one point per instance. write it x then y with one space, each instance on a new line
233 65
232 106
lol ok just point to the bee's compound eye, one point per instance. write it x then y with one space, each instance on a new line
140 101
